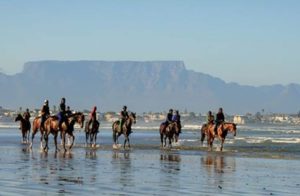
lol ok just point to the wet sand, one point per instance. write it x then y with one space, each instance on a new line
139 171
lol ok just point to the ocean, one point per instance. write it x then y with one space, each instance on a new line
260 160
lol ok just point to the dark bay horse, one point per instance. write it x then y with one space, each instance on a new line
168 133
222 131
91 133
25 128
52 126
126 129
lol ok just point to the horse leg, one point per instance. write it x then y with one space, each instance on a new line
95 139
210 142
115 137
161 139
128 140
222 143
23 136
91 139
46 140
55 142
73 139
32 137
41 140
86 138
202 137
170 141
64 141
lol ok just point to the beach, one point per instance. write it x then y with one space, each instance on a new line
270 168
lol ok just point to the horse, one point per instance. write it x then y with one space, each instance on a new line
91 133
36 125
222 131
177 131
25 127
52 126
168 132
126 129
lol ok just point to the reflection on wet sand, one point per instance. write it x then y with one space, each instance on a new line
219 168
169 170
218 163
170 157
91 154
122 162
91 163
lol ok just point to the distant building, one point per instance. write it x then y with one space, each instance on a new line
238 119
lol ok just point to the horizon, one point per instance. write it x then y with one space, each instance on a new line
250 43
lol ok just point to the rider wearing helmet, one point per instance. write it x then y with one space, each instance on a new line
124 116
45 112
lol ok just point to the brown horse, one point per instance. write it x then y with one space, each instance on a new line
52 126
222 131
168 132
177 131
126 129
91 133
36 125
25 128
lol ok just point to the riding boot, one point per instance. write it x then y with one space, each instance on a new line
216 130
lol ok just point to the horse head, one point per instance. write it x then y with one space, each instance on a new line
234 128
230 127
80 118
132 117
18 118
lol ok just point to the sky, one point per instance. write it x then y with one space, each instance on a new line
253 42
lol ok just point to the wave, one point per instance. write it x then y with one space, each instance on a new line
259 140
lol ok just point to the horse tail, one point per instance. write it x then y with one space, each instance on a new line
203 132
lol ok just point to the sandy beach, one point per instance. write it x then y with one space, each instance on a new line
145 169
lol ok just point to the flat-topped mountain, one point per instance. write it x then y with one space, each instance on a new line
143 86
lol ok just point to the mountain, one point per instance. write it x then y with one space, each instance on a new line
142 86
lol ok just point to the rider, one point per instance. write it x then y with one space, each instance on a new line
68 111
219 119
210 118
176 118
124 116
62 114
45 111
169 117
93 116
26 115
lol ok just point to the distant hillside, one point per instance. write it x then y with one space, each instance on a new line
143 86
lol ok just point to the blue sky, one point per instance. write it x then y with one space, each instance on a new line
253 42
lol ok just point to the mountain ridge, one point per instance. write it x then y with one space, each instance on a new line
142 85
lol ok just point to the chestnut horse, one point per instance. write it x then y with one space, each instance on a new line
223 129
168 132
36 125
91 132
25 128
126 129
52 126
